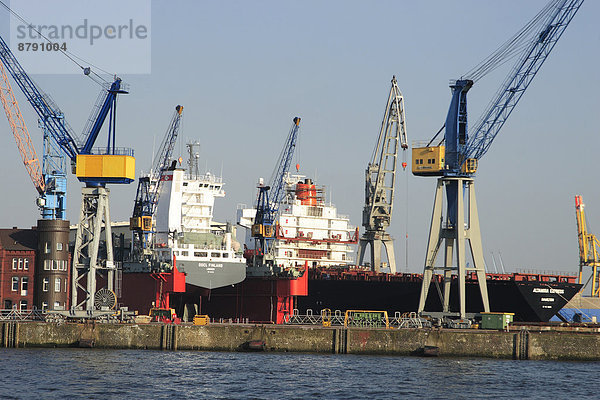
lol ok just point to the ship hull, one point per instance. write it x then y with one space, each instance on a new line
529 301
532 298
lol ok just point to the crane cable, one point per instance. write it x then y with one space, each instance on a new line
86 70
512 47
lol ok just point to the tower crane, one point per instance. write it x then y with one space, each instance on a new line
148 190
269 200
589 248
94 167
380 182
455 158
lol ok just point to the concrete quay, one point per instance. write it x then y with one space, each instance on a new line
523 344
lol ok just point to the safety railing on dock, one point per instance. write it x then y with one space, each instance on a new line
22 315
337 318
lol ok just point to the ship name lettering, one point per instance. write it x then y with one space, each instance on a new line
540 290
557 291
547 299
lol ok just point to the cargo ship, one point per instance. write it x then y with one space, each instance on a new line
314 268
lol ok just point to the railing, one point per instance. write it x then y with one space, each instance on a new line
22 315
398 321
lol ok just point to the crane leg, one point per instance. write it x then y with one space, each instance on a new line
474 235
433 244
389 249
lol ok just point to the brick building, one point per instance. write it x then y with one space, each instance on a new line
17 267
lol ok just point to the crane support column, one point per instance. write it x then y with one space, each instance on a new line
94 217
455 232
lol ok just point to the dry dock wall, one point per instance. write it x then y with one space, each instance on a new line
522 344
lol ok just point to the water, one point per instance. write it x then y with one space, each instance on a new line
138 374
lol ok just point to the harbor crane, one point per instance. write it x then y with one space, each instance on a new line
380 182
96 167
269 200
455 157
148 190
589 249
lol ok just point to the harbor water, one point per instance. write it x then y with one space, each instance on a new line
143 374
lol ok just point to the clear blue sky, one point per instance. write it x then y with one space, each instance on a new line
243 70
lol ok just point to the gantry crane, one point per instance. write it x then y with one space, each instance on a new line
380 181
148 190
456 157
589 249
269 200
94 167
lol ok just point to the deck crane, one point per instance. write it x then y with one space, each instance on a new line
269 200
380 182
148 190
589 248
94 167
455 157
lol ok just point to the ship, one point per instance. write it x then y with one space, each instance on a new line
189 251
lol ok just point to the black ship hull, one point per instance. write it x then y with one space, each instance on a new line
532 298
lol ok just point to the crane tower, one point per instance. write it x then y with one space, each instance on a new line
380 181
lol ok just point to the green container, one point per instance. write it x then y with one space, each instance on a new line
496 320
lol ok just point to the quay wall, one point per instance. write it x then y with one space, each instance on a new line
520 344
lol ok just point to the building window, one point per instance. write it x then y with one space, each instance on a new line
44 305
15 283
26 264
56 305
47 264
57 285
20 263
23 305
45 284
54 265
47 248
24 285
15 263
59 246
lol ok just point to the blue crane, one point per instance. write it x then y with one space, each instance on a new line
267 206
60 142
148 190
456 157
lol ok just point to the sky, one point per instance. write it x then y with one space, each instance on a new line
243 70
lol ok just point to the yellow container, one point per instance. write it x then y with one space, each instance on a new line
428 161
103 166
201 320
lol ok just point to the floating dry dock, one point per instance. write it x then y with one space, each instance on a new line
531 342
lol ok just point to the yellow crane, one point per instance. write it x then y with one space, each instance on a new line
589 248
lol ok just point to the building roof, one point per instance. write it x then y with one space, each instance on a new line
18 239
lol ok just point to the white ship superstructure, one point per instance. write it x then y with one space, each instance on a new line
308 230
185 231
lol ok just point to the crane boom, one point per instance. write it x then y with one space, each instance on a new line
20 133
49 114
520 77
283 166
